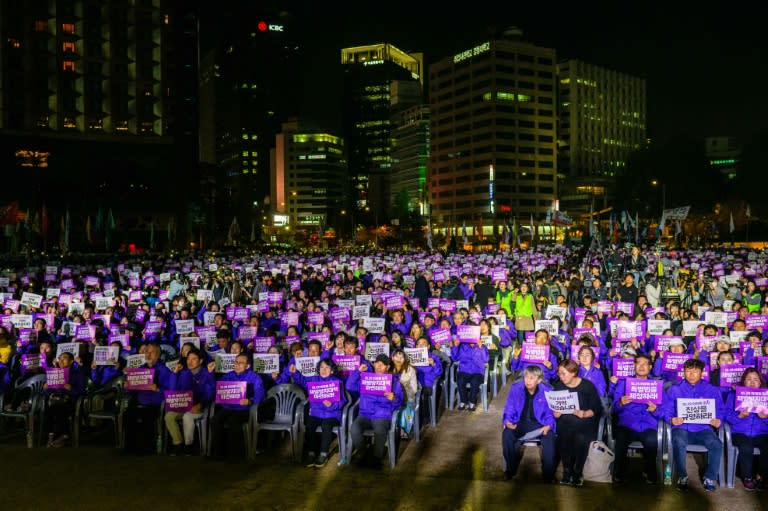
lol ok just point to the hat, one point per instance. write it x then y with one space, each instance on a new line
630 351
723 338
676 342
383 359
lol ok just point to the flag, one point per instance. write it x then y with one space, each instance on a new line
88 233
678 228
591 223
748 213
152 234
98 225
479 228
464 232
109 227
234 230
62 229
66 230
662 222
253 231
732 226
505 233
44 222
429 236
532 231
637 228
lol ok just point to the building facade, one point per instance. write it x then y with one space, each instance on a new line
602 118
723 155
410 154
492 136
369 72
309 176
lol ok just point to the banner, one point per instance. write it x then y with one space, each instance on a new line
57 377
696 411
230 392
644 391
139 378
178 401
534 352
751 400
319 391
375 383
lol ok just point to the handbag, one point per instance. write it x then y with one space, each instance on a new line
600 458
407 416
523 323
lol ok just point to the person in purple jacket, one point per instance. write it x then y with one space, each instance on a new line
324 414
637 421
144 406
527 413
548 367
589 371
749 429
60 403
230 418
376 413
472 358
202 383
684 433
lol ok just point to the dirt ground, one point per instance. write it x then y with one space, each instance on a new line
456 466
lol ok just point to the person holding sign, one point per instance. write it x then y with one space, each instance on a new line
231 417
749 429
591 371
472 358
691 426
202 383
144 406
60 399
527 416
637 421
575 431
376 409
548 367
326 402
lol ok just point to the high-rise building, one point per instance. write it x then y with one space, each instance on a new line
602 119
410 153
492 137
308 177
369 72
249 83
723 154
101 93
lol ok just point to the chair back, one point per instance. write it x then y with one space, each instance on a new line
288 397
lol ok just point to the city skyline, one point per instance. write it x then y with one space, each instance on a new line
700 66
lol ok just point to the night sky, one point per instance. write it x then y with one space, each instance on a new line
705 68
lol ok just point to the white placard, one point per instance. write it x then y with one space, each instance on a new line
562 401
225 362
136 360
21 320
657 326
696 411
719 319
31 299
307 366
266 363
204 295
360 311
555 311
68 347
418 357
364 300
374 325
185 326
550 325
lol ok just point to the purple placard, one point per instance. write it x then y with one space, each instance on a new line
242 314
141 315
661 342
134 296
604 306
178 401
347 363
230 392
275 298
433 303
623 367
674 361
31 362
295 285
394 302
440 336
323 337
468 333
578 332
751 400
91 281
755 322
139 378
26 336
375 383
319 391
246 333
315 318
644 391
67 284
706 342
56 377
730 374
262 344
339 315
761 363
152 327
534 352
85 333
626 308
122 339
448 305
579 313
626 330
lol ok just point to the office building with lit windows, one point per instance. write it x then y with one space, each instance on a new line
101 94
410 153
369 72
492 137
723 155
249 82
309 177
602 118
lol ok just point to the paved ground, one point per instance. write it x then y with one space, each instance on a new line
457 465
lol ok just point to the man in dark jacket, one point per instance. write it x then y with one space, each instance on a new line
483 291
421 289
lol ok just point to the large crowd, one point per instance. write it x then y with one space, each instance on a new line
621 346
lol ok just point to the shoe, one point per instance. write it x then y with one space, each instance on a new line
577 481
709 485
566 478
189 450
649 479
310 460
59 442
462 406
175 449
321 460
760 484
507 475
472 407
682 484
749 484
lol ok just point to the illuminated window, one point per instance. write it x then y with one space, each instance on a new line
68 47
166 19
14 43
69 122
68 28
68 65
41 26
254 154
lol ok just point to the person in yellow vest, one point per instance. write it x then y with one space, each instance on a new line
525 311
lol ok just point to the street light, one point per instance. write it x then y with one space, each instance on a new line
656 182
